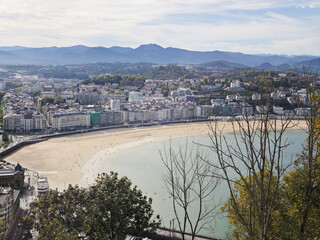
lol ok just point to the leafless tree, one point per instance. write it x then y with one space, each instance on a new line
190 184
253 162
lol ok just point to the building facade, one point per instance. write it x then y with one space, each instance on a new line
9 205
70 120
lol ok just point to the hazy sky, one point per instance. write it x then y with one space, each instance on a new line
249 26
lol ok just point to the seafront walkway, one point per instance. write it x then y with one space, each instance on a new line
27 140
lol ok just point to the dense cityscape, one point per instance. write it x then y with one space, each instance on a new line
47 105
34 107
160 120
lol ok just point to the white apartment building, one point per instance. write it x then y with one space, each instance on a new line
303 112
9 203
135 97
31 88
236 86
256 97
106 98
67 120
278 110
24 122
12 122
38 122
115 104
66 94
2 85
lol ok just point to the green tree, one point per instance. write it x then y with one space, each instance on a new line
46 99
5 137
28 221
2 226
301 198
109 209
58 100
60 215
295 211
115 209
172 88
242 204
299 215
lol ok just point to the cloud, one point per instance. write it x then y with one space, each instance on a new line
257 25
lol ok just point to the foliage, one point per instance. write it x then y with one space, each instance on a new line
122 80
5 137
58 100
2 226
46 99
172 88
203 101
2 93
301 199
295 202
13 85
255 158
79 71
28 221
169 72
109 209
296 210
64 72
165 89
243 205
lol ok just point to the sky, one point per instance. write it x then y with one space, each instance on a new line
290 27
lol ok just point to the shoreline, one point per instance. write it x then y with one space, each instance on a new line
75 159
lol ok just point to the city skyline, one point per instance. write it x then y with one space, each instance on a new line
256 26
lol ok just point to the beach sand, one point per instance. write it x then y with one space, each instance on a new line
75 159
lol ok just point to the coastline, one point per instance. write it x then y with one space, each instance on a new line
75 159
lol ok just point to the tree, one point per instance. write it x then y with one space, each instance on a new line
46 99
5 137
245 207
252 164
299 214
301 198
109 209
114 209
60 215
58 100
311 165
190 185
28 221
2 226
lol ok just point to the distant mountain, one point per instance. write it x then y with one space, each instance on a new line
13 48
223 65
284 67
266 66
9 58
310 65
150 53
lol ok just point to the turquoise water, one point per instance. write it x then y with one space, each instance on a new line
143 165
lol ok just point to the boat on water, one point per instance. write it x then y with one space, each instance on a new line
42 185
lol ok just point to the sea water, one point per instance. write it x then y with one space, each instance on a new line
143 165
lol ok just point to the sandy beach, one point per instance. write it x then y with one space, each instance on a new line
75 159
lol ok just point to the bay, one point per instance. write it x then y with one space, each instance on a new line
143 165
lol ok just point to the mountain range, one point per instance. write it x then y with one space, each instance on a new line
151 53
